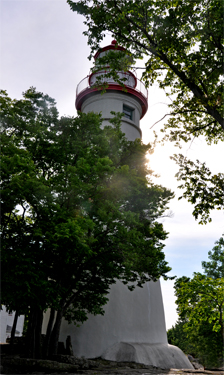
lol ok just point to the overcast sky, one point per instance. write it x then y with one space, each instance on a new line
42 46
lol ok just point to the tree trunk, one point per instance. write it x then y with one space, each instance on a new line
33 335
38 328
69 350
48 333
55 333
221 322
13 331
30 336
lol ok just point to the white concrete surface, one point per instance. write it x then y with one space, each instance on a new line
114 101
132 329
3 325
159 355
136 316
6 323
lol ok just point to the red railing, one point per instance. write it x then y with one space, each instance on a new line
129 81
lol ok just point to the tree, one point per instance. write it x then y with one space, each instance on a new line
79 211
215 268
22 262
178 337
183 44
200 308
200 303
202 189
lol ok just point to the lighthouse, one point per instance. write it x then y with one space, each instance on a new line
133 326
131 100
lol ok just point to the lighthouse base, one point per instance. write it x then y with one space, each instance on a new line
132 329
160 355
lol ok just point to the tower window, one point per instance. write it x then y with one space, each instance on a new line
128 112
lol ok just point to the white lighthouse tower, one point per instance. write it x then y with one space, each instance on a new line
133 102
133 326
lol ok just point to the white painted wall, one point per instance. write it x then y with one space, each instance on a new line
3 324
113 101
7 319
136 317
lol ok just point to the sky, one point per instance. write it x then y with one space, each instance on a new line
42 45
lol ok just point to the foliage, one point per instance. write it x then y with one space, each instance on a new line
200 299
200 309
182 41
201 342
178 337
215 268
22 251
78 211
201 188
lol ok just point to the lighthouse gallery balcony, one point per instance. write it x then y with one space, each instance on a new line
132 85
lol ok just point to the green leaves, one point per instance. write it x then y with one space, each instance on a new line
215 267
200 304
200 309
201 188
183 44
78 209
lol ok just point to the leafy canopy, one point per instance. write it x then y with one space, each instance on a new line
215 266
183 44
200 307
201 188
78 209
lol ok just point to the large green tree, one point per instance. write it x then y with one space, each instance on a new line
178 337
201 188
78 212
200 307
182 42
215 266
